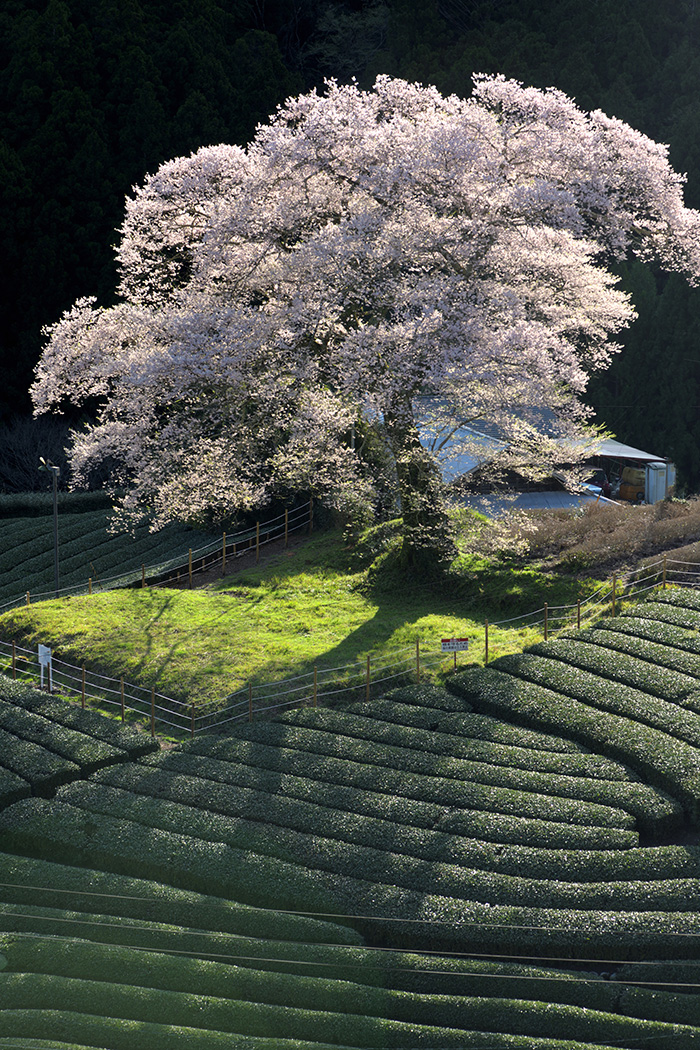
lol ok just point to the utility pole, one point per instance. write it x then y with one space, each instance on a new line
46 464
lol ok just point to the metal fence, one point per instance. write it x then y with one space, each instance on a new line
168 716
360 680
221 551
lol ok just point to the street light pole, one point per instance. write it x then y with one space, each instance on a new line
55 471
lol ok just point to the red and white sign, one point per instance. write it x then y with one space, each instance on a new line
454 645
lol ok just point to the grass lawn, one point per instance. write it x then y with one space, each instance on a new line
303 606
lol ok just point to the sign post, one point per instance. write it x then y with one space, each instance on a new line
45 663
455 645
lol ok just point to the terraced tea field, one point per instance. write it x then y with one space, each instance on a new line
87 551
511 861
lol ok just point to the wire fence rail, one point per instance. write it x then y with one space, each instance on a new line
368 676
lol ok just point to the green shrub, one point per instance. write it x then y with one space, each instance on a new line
170 912
122 737
667 635
12 788
637 799
382 721
529 876
583 684
458 713
343 761
135 1035
87 753
682 597
429 920
669 763
352 798
586 653
214 801
283 1022
665 612
43 770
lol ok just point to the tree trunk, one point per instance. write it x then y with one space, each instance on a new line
427 543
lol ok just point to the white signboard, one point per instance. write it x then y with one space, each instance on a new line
45 664
454 645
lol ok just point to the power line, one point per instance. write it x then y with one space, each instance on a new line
341 916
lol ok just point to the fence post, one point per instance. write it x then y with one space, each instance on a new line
578 614
143 575
286 527
192 729
250 701
122 695
257 542
315 684
418 661
613 592
546 610
14 659
27 597
486 642
153 710
223 558
189 566
82 694
663 584
89 584
311 514
367 680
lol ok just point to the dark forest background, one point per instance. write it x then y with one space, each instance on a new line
96 93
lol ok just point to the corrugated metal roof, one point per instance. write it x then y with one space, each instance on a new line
616 450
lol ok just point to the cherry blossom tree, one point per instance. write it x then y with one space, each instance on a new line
366 248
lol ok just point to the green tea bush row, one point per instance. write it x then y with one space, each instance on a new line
136 1035
401 971
248 1016
12 787
650 863
681 977
669 763
664 612
84 961
31 504
87 551
590 655
428 698
118 735
125 1034
427 920
87 753
657 654
382 864
30 882
350 798
43 770
683 597
650 1005
677 639
50 940
367 724
467 722
586 685
358 766
390 708
638 799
